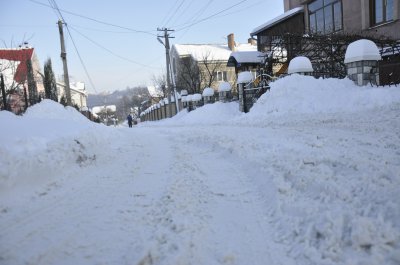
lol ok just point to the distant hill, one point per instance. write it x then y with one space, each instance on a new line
125 100
109 98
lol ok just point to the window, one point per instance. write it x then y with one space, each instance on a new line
381 11
325 16
221 76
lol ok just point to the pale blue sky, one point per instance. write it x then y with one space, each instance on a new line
143 56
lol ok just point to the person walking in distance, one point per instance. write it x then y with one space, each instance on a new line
129 118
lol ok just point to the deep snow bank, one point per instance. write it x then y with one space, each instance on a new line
297 94
293 97
210 114
49 138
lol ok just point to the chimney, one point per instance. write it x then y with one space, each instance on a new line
231 42
252 41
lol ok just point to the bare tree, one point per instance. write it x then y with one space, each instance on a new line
189 75
160 83
209 68
195 75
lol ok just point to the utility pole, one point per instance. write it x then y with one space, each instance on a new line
64 59
166 45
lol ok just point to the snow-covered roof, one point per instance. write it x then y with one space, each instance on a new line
276 20
208 92
14 58
362 50
245 77
300 64
196 97
224 86
217 52
247 56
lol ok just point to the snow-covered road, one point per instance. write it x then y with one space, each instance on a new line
208 187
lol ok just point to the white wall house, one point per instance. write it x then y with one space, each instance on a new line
78 93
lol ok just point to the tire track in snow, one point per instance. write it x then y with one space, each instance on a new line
222 216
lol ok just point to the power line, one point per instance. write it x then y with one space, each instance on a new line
96 20
211 16
76 48
197 15
110 51
169 12
183 12
174 13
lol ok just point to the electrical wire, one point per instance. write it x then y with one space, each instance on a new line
110 51
53 2
196 16
169 12
175 12
183 12
211 16
96 20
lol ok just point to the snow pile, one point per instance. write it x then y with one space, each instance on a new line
208 92
313 178
362 50
298 95
48 109
209 114
245 77
35 147
300 64
224 87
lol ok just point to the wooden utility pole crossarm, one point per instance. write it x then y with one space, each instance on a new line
64 59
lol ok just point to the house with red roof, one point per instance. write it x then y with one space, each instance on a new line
13 66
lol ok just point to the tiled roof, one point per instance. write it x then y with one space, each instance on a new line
19 55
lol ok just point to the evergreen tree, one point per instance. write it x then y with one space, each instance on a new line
63 100
32 88
50 86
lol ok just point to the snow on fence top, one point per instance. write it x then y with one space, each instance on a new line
224 87
245 77
189 98
362 50
184 93
208 92
300 64
196 97
183 99
162 102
